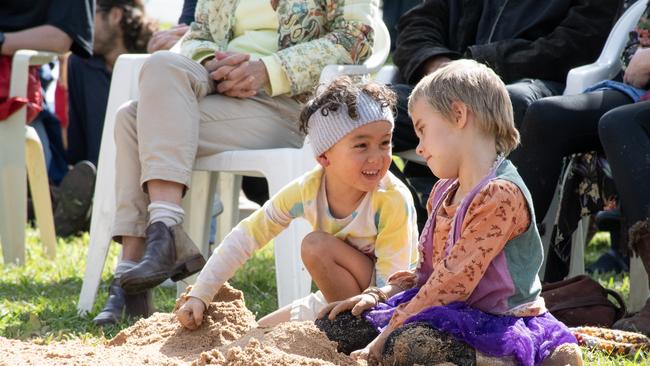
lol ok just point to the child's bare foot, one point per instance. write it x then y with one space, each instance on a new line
565 354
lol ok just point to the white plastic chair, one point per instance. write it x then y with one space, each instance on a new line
279 166
20 147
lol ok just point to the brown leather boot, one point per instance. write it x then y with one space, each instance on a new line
640 243
112 311
169 253
139 305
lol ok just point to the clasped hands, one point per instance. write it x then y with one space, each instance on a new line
235 74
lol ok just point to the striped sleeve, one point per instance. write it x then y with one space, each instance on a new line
251 234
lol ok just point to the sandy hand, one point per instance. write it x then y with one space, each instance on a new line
190 314
357 304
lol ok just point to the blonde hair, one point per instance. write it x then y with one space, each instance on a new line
480 89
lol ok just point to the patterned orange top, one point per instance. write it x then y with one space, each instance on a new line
497 214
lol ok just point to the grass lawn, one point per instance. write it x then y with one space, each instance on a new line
38 301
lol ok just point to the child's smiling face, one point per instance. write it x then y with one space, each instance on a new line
438 140
361 158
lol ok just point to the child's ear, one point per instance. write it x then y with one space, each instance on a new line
459 112
323 160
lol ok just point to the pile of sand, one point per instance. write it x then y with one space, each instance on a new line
228 336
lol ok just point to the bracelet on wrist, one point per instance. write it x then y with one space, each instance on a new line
380 295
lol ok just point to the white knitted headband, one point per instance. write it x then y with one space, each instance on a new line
327 130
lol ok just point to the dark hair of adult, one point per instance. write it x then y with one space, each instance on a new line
137 29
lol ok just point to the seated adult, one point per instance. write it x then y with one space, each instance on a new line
245 67
57 26
530 44
559 126
625 135
120 27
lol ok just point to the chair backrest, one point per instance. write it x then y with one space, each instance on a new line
381 46
608 64
619 34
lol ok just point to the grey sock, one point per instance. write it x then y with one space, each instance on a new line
166 212
123 266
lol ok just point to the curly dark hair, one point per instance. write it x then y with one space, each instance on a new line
137 29
343 91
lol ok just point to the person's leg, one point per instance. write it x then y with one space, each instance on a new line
625 134
404 137
339 270
130 219
175 127
417 177
525 92
554 128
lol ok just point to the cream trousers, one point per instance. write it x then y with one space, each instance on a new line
178 118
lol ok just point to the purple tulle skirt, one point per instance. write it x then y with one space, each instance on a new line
528 339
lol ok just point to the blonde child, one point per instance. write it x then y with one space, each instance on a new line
363 217
476 291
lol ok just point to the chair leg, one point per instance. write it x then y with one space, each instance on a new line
13 188
39 186
101 227
292 278
228 186
198 213
639 291
578 243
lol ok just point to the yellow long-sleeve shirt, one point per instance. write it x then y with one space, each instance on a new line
383 226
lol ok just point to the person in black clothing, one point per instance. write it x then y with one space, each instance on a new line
625 135
120 27
611 117
530 44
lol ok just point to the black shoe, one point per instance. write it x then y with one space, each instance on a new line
75 195
169 253
138 305
112 311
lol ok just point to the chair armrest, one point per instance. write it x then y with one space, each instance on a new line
580 78
21 61
609 61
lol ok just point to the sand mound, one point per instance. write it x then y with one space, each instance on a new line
228 336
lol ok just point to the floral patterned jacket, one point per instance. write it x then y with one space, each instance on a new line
311 35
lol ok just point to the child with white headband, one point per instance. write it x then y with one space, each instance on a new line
363 217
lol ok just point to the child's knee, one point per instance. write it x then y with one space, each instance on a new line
418 343
314 246
351 333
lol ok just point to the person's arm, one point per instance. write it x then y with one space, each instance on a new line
576 41
251 234
198 43
348 40
422 38
41 38
396 243
496 215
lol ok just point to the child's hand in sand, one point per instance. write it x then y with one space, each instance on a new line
358 304
190 314
372 352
